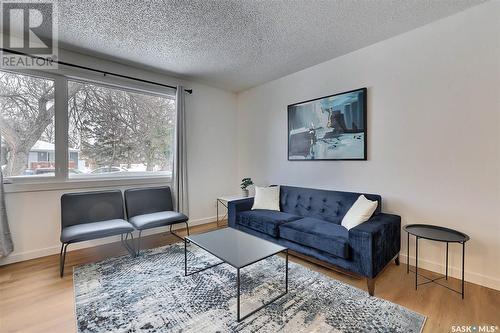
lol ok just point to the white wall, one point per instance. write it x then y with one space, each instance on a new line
433 132
212 166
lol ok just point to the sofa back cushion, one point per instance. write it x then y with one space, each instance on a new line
321 204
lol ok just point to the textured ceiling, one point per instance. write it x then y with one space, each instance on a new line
237 44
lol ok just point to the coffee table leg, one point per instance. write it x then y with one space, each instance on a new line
416 262
185 258
238 312
286 273
199 270
238 297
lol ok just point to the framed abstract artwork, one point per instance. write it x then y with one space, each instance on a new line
328 128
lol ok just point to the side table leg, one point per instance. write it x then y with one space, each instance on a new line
217 205
463 267
408 254
416 262
446 260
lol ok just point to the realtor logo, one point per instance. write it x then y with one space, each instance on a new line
30 32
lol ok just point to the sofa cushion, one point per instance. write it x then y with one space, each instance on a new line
360 212
265 221
158 219
325 205
318 234
267 198
93 230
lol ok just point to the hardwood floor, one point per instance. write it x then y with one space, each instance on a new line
34 299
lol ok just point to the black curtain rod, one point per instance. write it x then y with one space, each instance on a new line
189 91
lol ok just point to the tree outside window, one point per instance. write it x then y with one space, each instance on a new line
26 123
112 131
119 132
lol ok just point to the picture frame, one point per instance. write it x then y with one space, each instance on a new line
329 128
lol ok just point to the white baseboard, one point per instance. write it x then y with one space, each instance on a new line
43 252
456 272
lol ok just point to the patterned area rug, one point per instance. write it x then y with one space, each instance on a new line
151 294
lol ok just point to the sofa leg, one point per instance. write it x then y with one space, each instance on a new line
370 282
396 260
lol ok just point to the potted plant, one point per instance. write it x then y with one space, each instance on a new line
245 182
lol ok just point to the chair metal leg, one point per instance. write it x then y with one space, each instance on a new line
139 243
125 243
176 235
62 258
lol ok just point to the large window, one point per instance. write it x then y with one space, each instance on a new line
26 125
115 132
108 131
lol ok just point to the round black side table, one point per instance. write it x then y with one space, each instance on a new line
439 234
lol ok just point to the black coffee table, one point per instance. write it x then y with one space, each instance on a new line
439 234
239 250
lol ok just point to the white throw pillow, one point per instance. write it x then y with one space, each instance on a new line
360 212
267 198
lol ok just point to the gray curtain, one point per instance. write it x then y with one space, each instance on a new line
6 245
180 163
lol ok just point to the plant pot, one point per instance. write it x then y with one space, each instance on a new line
244 192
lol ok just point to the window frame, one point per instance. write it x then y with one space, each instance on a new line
61 179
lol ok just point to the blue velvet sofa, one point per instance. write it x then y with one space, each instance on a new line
309 223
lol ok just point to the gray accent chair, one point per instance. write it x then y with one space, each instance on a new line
92 215
151 208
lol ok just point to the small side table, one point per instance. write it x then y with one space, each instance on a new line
224 200
439 234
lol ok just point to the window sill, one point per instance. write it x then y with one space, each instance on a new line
71 184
